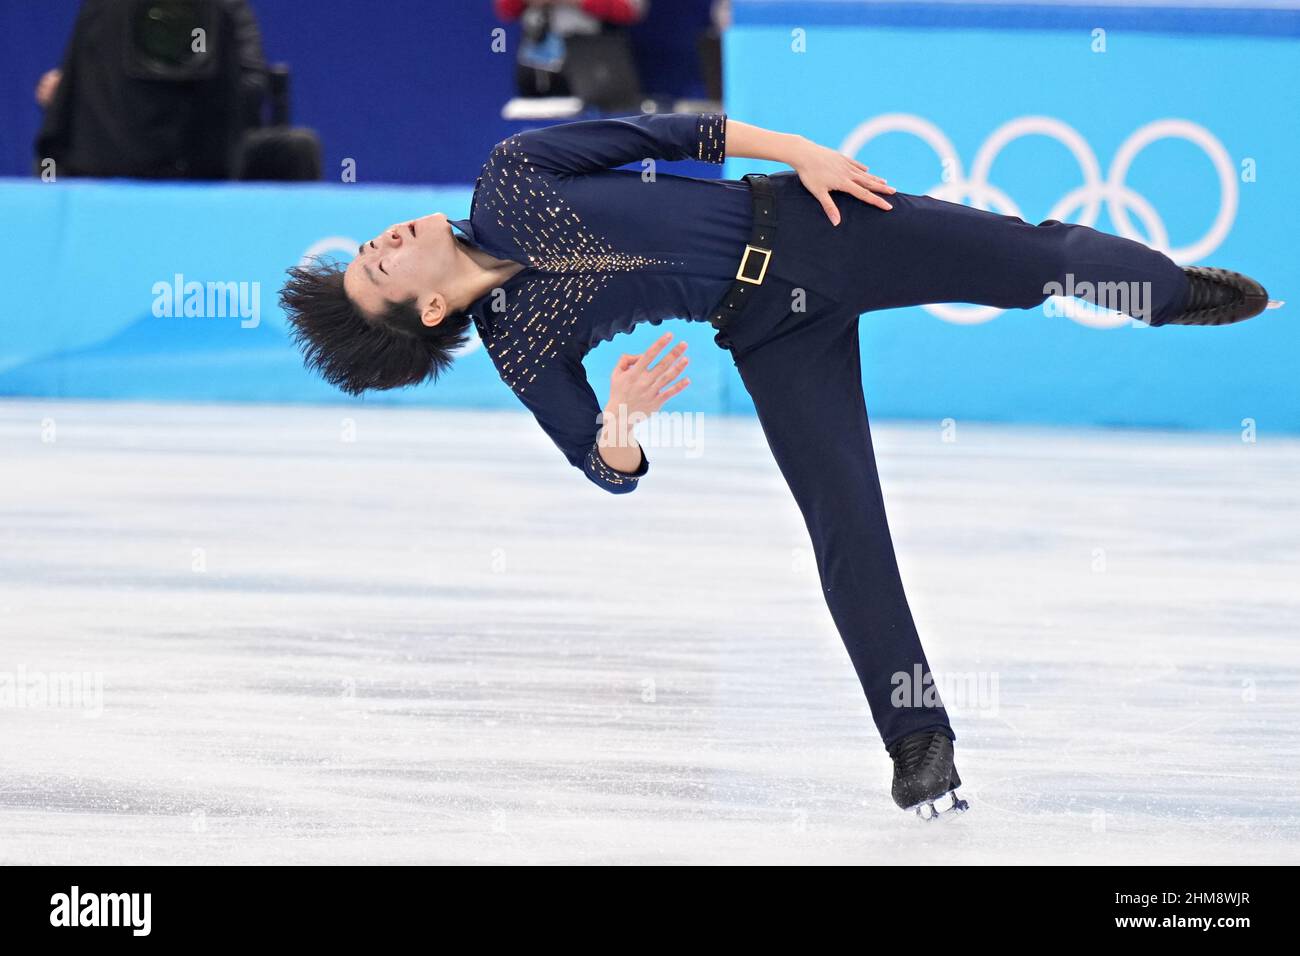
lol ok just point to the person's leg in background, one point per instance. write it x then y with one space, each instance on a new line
806 383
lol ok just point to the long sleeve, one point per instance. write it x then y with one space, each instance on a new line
54 138
620 12
564 404
508 10
590 145
253 79
610 11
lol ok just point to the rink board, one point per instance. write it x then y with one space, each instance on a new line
1018 106
896 84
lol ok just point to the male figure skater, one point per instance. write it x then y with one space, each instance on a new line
562 250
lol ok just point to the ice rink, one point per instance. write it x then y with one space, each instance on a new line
238 634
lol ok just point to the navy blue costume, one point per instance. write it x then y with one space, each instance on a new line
604 249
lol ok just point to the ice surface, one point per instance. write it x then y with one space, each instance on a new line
437 642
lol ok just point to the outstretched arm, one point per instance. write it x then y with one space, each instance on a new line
589 145
820 168
754 142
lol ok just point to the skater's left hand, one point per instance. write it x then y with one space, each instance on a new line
822 169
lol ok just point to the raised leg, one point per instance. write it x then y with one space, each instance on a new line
927 250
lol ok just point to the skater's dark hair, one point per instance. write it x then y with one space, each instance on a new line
356 353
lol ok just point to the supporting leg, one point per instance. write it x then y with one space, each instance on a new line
807 388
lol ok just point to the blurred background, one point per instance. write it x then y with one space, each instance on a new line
137 164
444 85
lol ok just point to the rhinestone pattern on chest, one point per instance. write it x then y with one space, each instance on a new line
575 263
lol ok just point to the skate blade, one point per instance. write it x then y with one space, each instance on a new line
931 810
1275 303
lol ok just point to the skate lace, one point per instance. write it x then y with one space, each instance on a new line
912 751
1209 293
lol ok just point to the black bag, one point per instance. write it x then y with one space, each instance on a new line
601 70
280 154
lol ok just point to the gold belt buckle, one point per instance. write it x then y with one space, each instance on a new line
744 261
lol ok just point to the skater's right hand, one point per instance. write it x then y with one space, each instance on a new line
822 170
642 387
637 389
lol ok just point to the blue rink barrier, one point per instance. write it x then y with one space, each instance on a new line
1180 132
91 302
1174 126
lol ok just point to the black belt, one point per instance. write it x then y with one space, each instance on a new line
754 261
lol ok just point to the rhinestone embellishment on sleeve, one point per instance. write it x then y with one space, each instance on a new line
606 473
711 135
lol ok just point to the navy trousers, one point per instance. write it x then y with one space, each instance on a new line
796 349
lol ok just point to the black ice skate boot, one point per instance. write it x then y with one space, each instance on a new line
924 772
1220 297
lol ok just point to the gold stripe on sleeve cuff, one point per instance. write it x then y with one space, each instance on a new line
711 138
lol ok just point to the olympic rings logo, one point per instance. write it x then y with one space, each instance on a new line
1086 199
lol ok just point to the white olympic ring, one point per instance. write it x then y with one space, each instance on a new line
1087 198
322 247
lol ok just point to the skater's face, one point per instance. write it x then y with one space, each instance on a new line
408 262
